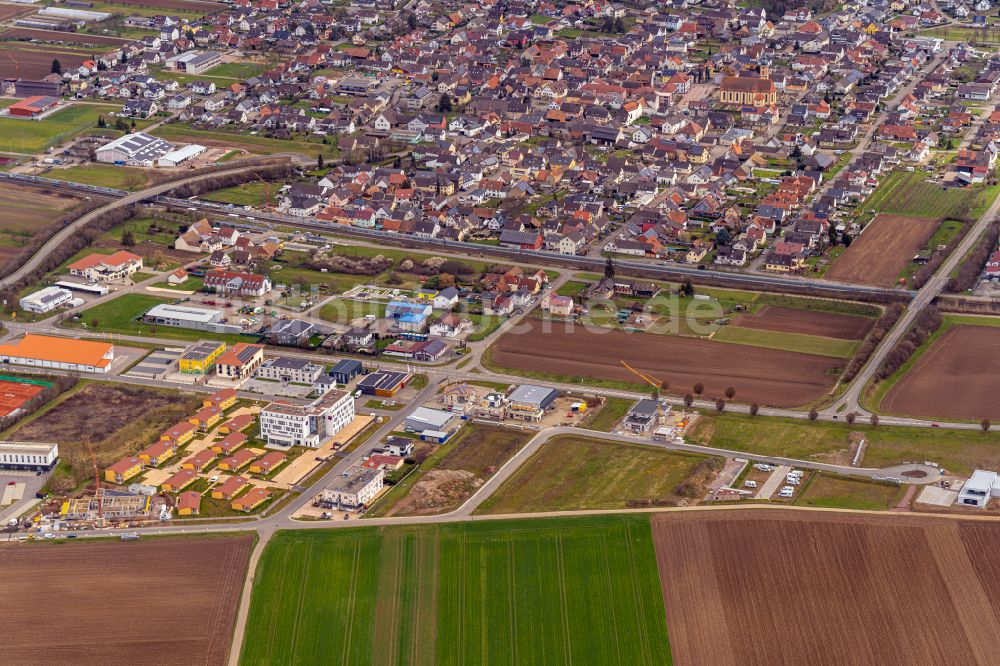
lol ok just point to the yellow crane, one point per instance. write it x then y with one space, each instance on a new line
655 383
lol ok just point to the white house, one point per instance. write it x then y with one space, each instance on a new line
982 486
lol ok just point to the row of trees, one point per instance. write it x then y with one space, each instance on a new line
926 323
970 269
883 324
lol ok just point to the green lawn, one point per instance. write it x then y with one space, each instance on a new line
844 492
573 472
247 194
103 175
119 316
34 136
582 590
256 144
572 288
960 451
237 70
612 412
344 311
191 284
907 193
796 342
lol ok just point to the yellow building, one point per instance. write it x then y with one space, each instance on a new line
181 433
123 470
223 399
251 500
200 358
206 418
156 454
179 481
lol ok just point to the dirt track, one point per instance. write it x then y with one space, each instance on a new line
955 379
882 251
808 322
164 602
767 376
774 587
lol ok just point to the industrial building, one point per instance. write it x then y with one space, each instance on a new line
385 383
199 359
45 351
283 369
136 149
346 370
357 488
28 455
195 62
46 300
177 157
283 424
33 107
529 402
183 316
424 418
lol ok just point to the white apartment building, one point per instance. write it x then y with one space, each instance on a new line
358 486
284 425
284 369
28 455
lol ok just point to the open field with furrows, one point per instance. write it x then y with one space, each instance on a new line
960 451
452 472
63 37
581 591
158 601
572 472
796 342
955 378
882 251
180 5
34 136
33 64
907 193
774 587
767 376
806 322
28 211
8 12
105 416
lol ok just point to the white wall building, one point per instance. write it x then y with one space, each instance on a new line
358 486
28 455
981 487
176 157
284 425
136 149
283 369
46 300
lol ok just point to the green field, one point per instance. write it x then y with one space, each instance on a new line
844 492
612 412
907 193
34 136
256 144
960 451
119 316
796 342
103 175
583 591
572 472
344 310
237 70
248 194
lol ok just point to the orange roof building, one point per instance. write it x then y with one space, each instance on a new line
45 351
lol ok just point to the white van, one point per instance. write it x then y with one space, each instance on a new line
749 484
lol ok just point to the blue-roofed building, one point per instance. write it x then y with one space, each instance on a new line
409 316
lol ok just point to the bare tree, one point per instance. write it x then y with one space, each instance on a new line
688 400
813 414
874 419
699 388
754 408
850 416
720 404
730 393
985 425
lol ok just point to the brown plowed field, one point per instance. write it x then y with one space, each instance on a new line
35 64
162 601
767 376
772 587
955 379
181 5
808 322
61 36
8 12
878 255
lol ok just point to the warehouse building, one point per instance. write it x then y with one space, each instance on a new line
182 316
33 107
28 455
45 351
283 424
136 149
46 300
357 488
195 62
384 383
424 418
529 402
176 157
346 370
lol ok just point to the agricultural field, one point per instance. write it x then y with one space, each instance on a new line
571 472
247 194
954 376
64 40
806 322
582 590
451 472
768 376
32 63
103 415
781 587
883 250
104 175
260 145
960 451
28 211
34 136
241 71
909 194
795 342
139 609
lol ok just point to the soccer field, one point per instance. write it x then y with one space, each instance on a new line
549 591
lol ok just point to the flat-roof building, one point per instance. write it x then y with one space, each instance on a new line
529 402
383 383
45 351
982 486
356 488
137 149
200 358
285 425
46 300
285 369
346 370
28 455
183 316
424 418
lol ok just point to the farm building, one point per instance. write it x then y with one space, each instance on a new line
32 107
200 358
529 402
44 351
285 425
251 500
46 300
136 149
384 383
105 267
240 361
177 157
189 503
28 455
356 488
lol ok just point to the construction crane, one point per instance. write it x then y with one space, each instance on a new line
97 480
655 383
